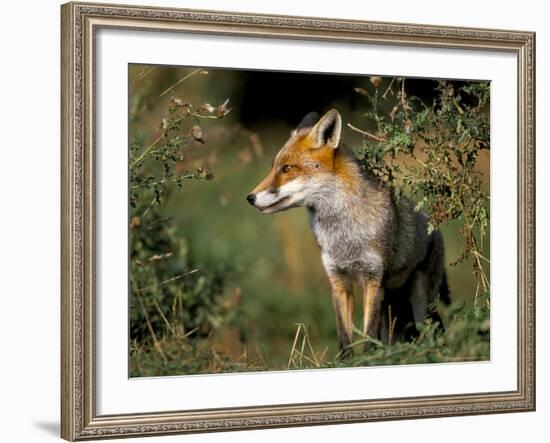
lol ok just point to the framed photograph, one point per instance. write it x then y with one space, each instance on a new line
282 221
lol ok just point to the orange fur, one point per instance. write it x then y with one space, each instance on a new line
305 159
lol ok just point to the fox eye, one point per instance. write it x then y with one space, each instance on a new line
286 168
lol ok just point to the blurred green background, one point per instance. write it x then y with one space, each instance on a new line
274 276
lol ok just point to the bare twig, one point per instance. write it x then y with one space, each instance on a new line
149 325
322 356
388 89
158 257
145 152
170 280
168 325
166 181
149 207
391 326
166 91
313 354
305 357
196 115
457 106
301 353
368 134
143 73
191 74
293 349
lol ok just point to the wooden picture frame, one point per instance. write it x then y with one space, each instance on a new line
80 22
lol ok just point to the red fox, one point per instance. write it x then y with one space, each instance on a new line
365 236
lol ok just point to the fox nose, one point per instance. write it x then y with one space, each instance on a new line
251 198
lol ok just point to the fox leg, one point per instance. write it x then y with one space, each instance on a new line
373 295
342 300
419 297
429 281
349 325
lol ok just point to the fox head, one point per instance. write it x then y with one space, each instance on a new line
303 167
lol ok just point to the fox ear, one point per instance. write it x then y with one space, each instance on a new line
327 131
308 121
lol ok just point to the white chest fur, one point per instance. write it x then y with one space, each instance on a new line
347 242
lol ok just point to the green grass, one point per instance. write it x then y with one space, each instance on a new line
466 338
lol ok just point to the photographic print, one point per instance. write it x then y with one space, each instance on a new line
293 220
273 221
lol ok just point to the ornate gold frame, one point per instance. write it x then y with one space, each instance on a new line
79 420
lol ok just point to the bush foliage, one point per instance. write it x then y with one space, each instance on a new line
430 152
169 295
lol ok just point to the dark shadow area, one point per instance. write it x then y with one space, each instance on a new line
50 427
